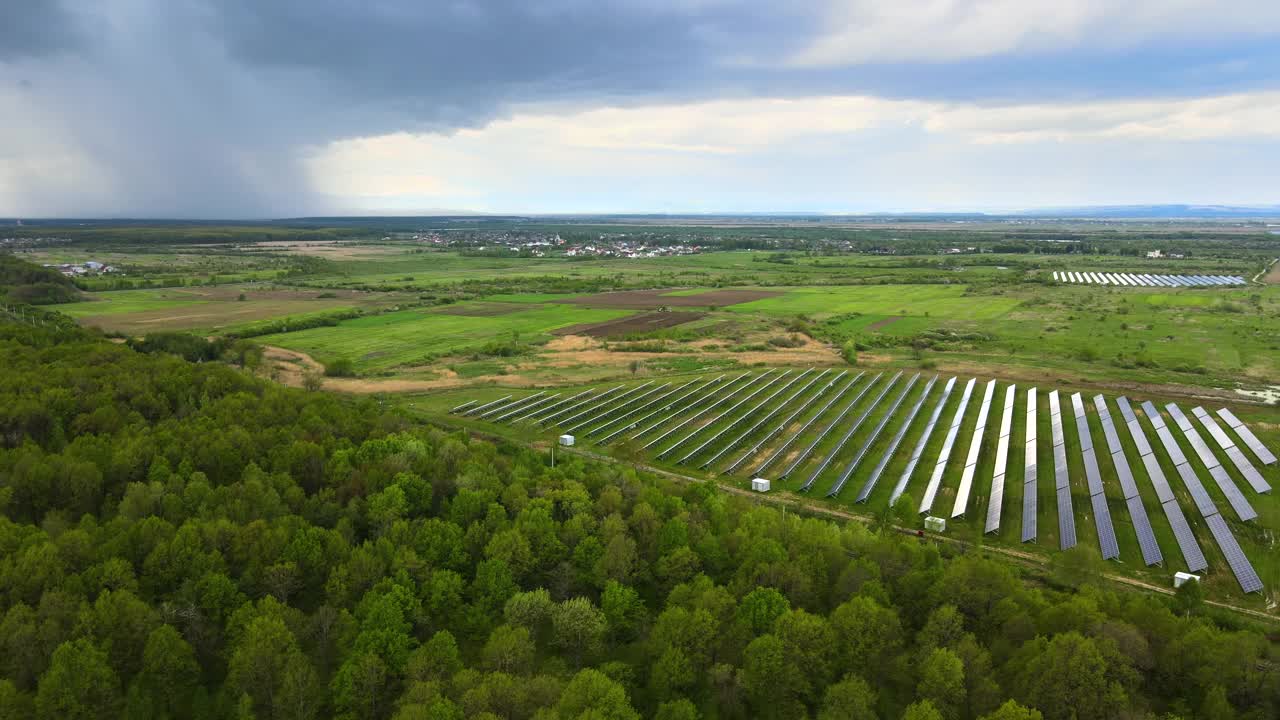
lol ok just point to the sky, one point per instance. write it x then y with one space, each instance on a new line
283 108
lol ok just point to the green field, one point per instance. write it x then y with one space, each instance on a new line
938 301
119 302
411 337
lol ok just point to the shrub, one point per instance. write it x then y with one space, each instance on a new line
342 367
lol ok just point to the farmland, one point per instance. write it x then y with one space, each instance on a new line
430 328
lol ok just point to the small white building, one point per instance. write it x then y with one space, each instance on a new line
760 484
1181 578
935 524
566 440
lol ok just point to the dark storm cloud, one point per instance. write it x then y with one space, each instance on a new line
34 27
203 107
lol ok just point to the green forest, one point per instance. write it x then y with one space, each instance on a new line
183 539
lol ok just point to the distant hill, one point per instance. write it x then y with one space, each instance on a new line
1156 211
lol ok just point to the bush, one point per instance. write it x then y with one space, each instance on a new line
342 367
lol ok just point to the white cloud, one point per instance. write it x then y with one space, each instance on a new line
778 154
873 31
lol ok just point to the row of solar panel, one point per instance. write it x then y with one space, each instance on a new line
599 407
1145 280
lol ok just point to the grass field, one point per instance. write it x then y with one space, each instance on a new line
412 337
213 309
936 301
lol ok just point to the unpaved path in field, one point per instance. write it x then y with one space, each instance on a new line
290 367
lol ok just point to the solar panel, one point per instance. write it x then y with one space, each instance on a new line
723 414
971 462
1151 554
544 401
804 454
513 405
1029 472
604 408
636 411
773 413
1234 497
1191 552
1265 456
931 490
871 438
1240 565
892 449
1066 520
903 479
1106 532
786 445
1171 446
486 406
995 502
1156 473
1127 484
466 404
1055 275
844 439
719 399
995 499
761 419
683 404
1219 474
1029 506
618 406
1246 468
1198 494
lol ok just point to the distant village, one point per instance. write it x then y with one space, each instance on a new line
88 267
552 244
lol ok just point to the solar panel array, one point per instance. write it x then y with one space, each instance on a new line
1151 554
786 445
1093 476
948 443
903 479
719 398
804 454
1265 456
773 413
849 469
723 413
1030 472
892 449
1061 480
707 419
975 447
1237 457
1240 566
995 501
844 439
742 418
1145 280
1235 498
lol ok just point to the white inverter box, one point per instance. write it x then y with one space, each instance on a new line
566 440
935 524
1181 578
760 485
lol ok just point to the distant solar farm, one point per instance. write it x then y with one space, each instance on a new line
1145 280
886 438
